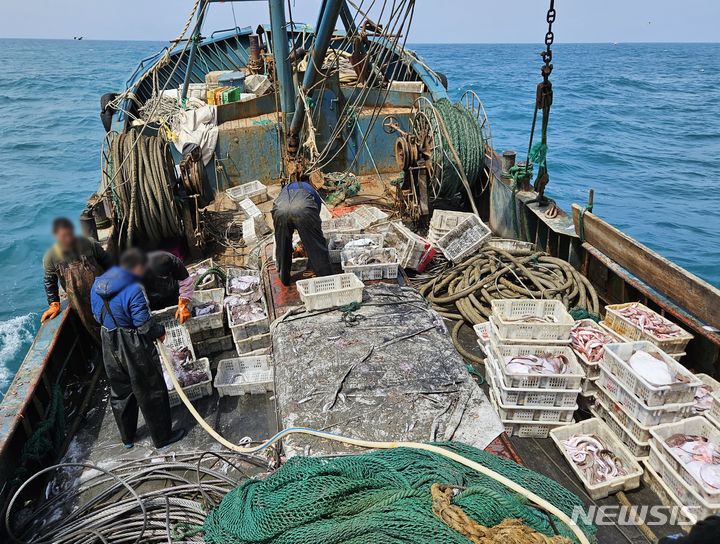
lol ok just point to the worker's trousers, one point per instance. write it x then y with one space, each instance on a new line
298 210
136 381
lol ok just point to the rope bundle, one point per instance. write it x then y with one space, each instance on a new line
143 190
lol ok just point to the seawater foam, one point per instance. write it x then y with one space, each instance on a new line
15 334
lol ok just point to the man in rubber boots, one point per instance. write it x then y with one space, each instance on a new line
297 207
73 262
166 281
131 359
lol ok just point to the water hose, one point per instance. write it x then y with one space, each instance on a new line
513 486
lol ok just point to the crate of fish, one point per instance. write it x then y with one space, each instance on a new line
244 282
640 450
542 367
636 321
254 343
652 480
345 223
531 319
714 413
443 221
513 412
640 432
248 209
254 190
508 244
653 376
337 241
414 252
368 215
330 291
705 403
199 274
686 493
587 340
464 240
206 311
195 378
177 337
597 457
250 375
643 414
518 396
692 448
525 429
371 263
246 318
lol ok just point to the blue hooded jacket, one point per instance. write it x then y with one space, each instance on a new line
126 296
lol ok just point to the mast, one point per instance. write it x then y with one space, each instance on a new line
193 49
281 54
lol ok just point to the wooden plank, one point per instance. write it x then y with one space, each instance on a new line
690 292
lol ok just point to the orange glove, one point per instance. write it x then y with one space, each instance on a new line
51 313
162 339
183 312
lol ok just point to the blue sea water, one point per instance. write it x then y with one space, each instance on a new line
638 123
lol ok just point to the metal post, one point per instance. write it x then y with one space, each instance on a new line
281 54
347 18
193 48
323 35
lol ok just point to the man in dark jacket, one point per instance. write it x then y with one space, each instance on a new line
73 262
297 207
131 360
166 281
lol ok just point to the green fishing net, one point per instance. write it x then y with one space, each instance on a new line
379 497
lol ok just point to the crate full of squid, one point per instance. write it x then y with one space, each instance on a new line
193 374
206 313
371 263
245 305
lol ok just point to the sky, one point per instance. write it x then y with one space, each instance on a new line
436 21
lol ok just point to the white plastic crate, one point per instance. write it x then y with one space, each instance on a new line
591 368
254 229
344 223
248 209
630 330
412 249
714 414
254 343
597 427
254 190
497 340
685 493
588 387
525 429
210 281
482 330
247 329
443 221
176 335
640 450
655 483
695 426
464 239
244 375
508 244
234 272
371 271
519 396
330 291
616 357
510 317
571 379
645 415
512 412
714 386
368 215
639 432
209 322
337 240
195 391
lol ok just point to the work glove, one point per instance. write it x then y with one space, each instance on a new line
182 313
51 313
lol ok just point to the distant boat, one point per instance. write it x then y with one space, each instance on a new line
77 38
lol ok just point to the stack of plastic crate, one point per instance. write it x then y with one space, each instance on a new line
211 323
591 368
443 221
530 405
631 331
253 335
626 401
695 486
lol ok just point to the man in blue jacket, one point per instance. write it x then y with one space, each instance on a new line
297 207
128 332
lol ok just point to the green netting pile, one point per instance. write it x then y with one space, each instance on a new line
379 497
